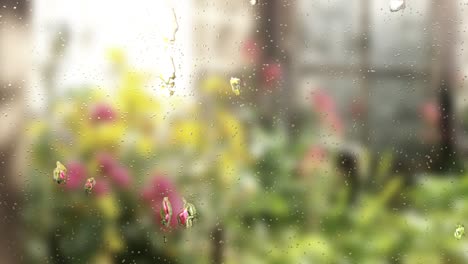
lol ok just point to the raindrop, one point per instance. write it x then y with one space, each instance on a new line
397 5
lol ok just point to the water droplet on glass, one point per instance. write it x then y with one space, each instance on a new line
397 5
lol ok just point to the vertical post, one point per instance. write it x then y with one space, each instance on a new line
443 80
218 244
348 166
364 67
14 63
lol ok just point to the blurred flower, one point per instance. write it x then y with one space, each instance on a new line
358 109
215 85
76 175
36 128
108 206
60 173
154 194
323 102
325 105
106 162
102 187
120 176
107 135
133 100
231 129
248 186
228 168
272 74
187 133
89 185
112 238
103 258
103 112
116 172
313 160
251 51
431 113
145 145
117 57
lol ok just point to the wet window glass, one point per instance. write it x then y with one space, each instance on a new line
247 131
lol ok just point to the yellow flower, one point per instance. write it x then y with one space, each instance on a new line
132 99
144 146
109 134
112 239
187 133
35 129
215 85
117 57
108 206
229 168
232 131
103 258
105 135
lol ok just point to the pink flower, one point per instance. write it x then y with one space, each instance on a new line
89 185
188 215
183 216
154 194
325 105
313 160
166 212
76 175
272 73
159 187
251 51
431 113
322 102
102 187
358 109
62 176
120 176
109 166
102 112
106 162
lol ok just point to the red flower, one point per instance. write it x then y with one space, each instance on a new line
76 175
102 112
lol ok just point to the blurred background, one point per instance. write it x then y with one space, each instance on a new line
346 141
